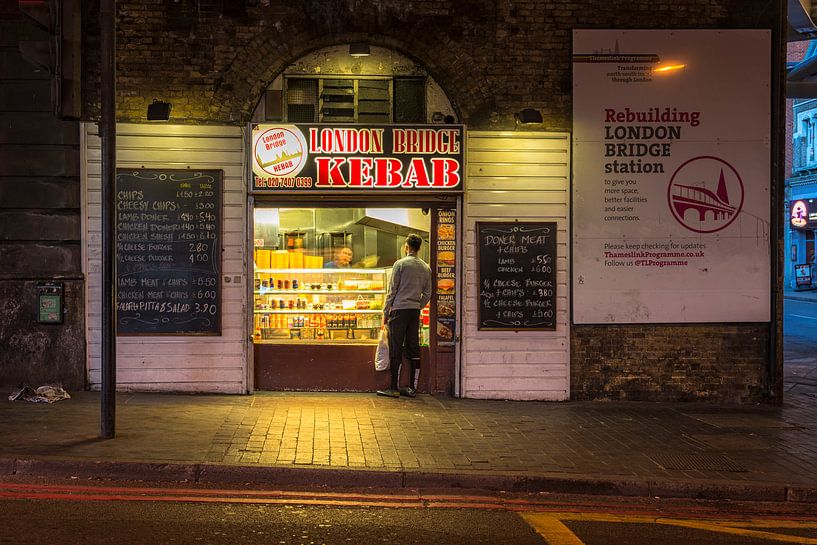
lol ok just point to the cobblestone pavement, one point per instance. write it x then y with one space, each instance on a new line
680 443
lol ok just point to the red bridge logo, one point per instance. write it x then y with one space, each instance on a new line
705 194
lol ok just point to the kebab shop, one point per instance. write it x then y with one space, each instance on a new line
331 208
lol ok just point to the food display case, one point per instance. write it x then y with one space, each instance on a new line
319 304
320 278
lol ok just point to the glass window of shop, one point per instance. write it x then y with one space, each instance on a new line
321 274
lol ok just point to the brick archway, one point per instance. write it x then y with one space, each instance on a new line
242 85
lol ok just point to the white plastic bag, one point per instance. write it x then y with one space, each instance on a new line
381 355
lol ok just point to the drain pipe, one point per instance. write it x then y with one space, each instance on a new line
107 126
774 378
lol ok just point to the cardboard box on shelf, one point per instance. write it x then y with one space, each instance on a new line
262 258
296 260
280 259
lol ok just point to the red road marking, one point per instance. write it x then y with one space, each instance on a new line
358 499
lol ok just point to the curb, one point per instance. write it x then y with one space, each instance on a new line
351 478
802 494
796 297
101 470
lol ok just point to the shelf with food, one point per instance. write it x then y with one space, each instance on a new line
285 281
315 324
270 291
340 328
323 311
326 336
320 271
317 341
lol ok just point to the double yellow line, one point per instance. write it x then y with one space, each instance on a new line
552 528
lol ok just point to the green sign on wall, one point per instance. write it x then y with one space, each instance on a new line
49 303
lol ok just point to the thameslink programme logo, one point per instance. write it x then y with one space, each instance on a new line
705 194
623 68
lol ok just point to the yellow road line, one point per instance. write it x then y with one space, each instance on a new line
551 529
550 526
731 530
754 523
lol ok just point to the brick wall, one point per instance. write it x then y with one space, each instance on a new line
38 354
39 219
669 363
795 52
493 58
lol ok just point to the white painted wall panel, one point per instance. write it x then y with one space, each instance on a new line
520 184
506 169
522 175
177 363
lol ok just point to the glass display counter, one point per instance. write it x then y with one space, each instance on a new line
319 305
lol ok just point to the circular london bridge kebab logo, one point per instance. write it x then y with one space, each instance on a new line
281 151
705 194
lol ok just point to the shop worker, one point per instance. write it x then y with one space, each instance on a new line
409 291
343 259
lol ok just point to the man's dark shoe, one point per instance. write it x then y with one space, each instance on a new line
408 392
389 393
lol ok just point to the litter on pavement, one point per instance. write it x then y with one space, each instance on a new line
44 394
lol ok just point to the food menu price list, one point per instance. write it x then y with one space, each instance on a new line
445 274
168 248
517 275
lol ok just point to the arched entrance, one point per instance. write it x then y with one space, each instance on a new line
353 148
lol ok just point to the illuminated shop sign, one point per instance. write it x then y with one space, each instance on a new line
357 157
803 214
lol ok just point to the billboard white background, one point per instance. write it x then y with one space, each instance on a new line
671 176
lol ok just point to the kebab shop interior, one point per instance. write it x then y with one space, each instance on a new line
321 275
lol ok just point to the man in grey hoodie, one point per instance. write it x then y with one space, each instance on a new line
409 292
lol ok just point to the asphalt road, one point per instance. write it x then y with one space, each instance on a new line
800 346
166 523
108 513
800 320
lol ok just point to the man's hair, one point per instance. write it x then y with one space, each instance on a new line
414 242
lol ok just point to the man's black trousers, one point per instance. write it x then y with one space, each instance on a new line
404 329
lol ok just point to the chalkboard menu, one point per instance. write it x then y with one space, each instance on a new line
168 252
517 275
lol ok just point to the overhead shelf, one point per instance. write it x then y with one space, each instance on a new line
320 271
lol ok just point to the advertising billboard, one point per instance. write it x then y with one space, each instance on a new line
671 170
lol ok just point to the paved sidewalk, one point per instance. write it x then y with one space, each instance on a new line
800 295
342 439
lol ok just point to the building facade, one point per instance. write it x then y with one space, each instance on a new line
801 184
801 193
489 68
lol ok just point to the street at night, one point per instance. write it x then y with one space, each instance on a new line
122 513
427 272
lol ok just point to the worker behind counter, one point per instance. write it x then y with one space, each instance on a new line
343 258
